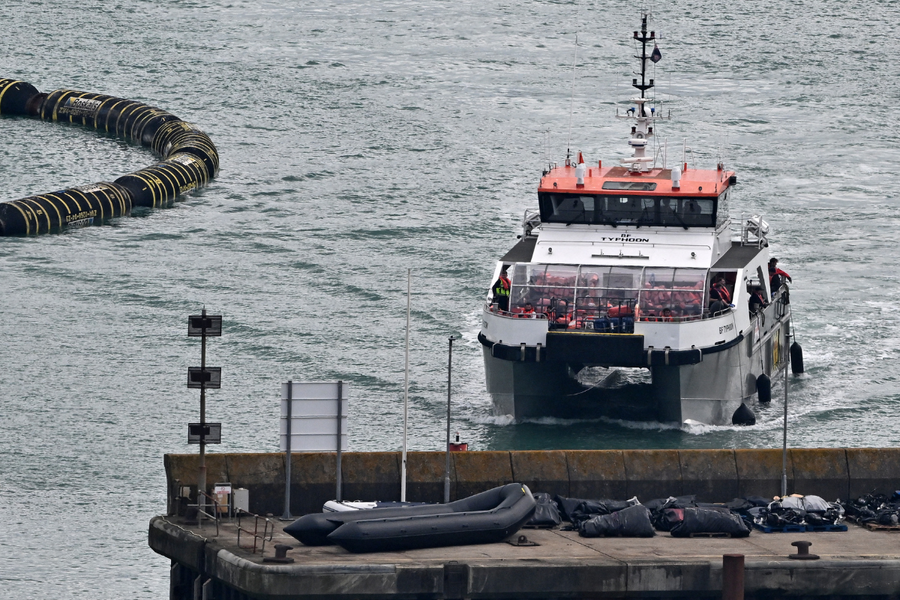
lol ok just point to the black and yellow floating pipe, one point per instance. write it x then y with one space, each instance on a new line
189 159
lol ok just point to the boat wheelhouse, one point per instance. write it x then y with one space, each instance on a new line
629 297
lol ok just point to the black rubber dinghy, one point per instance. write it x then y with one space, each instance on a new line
488 517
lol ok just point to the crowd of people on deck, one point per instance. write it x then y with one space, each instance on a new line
553 297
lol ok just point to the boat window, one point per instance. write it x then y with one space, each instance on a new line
697 212
672 293
605 209
573 295
637 186
630 209
545 286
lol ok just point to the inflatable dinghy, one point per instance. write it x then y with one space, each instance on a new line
490 516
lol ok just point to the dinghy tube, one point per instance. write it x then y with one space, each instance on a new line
488 517
189 159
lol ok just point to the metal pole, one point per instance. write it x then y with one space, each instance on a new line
201 484
405 392
447 467
732 577
787 339
287 454
340 412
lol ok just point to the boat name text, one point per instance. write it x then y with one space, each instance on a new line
625 238
724 328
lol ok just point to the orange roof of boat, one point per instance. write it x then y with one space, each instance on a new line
694 182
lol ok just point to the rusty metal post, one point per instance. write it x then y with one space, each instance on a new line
732 577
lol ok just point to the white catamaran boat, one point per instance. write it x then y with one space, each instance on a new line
626 295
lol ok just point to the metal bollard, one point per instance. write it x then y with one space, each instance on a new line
732 577
803 551
281 556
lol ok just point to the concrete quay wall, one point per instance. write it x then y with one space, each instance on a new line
713 475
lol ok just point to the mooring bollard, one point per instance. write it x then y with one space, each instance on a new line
732 577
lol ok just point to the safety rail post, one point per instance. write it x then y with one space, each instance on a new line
201 512
267 535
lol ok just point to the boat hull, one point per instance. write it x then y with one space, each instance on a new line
708 391
487 517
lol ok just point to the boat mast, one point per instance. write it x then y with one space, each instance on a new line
643 39
642 130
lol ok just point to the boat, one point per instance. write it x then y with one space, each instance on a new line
608 304
489 516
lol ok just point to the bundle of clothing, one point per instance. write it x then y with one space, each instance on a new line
681 516
781 512
880 509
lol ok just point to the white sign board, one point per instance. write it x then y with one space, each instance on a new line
314 416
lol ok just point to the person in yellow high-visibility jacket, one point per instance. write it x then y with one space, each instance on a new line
501 291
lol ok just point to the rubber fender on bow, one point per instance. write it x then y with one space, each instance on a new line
796 358
73 207
764 388
15 96
743 416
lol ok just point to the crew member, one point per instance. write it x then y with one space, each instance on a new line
757 299
716 305
501 291
720 291
776 275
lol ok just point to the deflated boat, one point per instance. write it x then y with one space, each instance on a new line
490 516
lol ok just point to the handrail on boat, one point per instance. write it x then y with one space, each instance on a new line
513 315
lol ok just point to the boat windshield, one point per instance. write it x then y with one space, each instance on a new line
603 209
573 293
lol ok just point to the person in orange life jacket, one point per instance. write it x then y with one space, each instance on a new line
666 315
528 310
501 291
776 275
716 304
561 313
719 291
757 299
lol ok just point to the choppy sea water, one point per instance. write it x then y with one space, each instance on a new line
362 139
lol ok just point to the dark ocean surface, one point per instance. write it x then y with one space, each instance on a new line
362 139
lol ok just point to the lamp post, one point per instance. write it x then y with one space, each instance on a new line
204 378
447 447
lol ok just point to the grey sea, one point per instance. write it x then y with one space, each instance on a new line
359 140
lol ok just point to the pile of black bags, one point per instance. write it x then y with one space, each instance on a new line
880 509
809 510
682 517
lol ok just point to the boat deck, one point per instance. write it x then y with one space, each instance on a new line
856 563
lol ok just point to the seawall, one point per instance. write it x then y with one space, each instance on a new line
713 475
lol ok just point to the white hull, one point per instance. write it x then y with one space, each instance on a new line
709 391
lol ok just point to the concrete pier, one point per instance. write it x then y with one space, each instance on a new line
858 564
